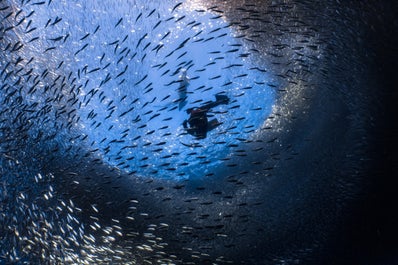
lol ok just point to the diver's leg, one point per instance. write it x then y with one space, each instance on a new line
220 99
182 93
182 104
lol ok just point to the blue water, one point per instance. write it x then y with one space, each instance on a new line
149 140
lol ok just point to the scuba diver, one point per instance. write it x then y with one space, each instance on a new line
198 122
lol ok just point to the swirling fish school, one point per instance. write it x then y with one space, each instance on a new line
97 166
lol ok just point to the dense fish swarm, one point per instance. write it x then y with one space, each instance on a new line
97 166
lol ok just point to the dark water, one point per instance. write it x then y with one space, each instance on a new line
97 168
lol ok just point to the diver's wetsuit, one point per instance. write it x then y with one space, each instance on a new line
198 122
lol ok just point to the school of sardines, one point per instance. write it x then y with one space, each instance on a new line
88 109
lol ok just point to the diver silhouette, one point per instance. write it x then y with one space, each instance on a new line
198 122
182 89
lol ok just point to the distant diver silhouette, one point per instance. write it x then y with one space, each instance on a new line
198 122
182 89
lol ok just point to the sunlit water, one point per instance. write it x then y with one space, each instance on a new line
124 73
129 110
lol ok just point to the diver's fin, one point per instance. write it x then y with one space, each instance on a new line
222 99
213 124
182 104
